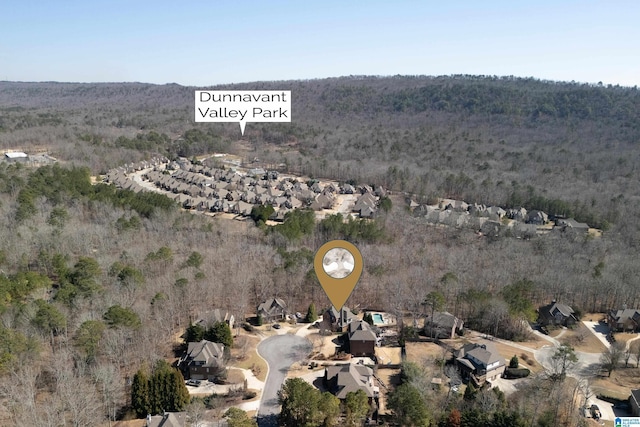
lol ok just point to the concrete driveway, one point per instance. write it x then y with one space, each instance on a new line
587 366
280 352
599 330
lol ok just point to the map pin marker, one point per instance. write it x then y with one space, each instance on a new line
338 266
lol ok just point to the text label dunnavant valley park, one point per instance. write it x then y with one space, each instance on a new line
243 106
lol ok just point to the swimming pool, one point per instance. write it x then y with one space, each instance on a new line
377 318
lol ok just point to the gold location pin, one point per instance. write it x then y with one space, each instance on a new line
338 266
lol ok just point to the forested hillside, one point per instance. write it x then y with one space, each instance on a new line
72 251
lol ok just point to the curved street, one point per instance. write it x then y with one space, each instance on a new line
280 352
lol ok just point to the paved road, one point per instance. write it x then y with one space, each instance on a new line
588 366
280 352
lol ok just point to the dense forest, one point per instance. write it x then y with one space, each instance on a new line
96 282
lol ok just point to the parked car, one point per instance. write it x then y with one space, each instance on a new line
276 326
194 383
595 412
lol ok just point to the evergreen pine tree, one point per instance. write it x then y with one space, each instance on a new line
312 315
470 392
140 394
220 332
368 318
179 395
513 363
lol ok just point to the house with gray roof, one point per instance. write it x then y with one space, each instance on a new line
496 213
204 360
216 315
341 380
537 217
362 340
556 314
272 310
443 325
480 363
624 320
570 224
337 321
347 189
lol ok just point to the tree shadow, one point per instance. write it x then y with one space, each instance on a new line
270 420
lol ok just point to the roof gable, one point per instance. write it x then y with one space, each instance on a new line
350 378
206 352
361 331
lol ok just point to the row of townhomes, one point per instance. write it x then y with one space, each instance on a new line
490 220
207 189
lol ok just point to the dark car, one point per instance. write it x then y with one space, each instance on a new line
276 326
595 412
194 383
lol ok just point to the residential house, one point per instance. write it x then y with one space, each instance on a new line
444 325
624 320
573 225
343 379
556 314
480 362
455 205
337 321
495 213
365 206
272 310
518 214
477 209
537 217
168 419
347 189
204 360
217 315
634 402
362 340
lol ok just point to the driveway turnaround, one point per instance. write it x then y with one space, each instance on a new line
280 352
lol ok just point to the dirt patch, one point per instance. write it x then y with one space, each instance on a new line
235 377
625 336
525 358
555 332
582 339
324 345
389 355
421 352
534 343
619 384
247 357
594 317
388 380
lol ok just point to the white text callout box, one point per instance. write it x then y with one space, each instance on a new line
242 106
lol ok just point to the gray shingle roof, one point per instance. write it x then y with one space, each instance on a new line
350 378
205 353
361 331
